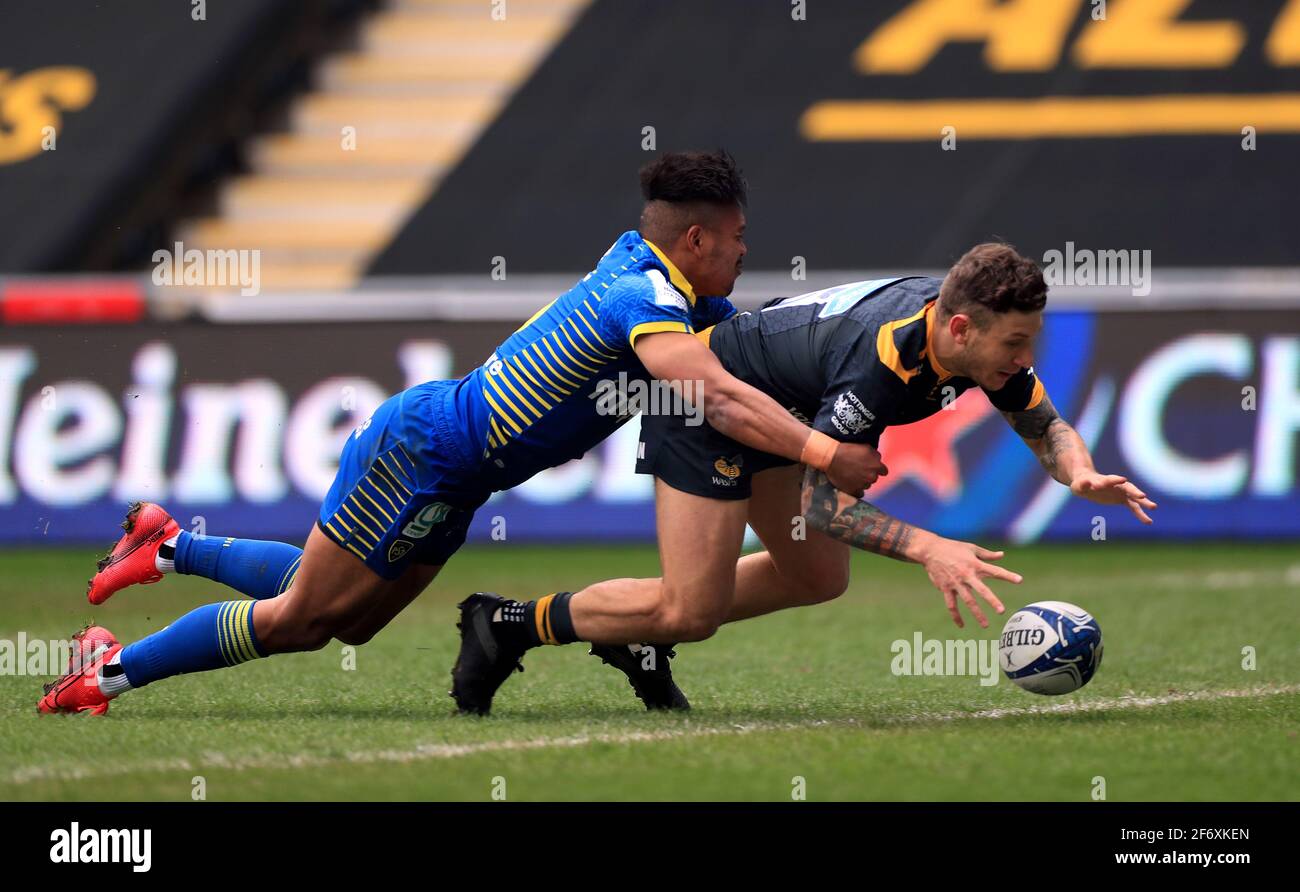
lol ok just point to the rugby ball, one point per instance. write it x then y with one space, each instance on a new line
1050 647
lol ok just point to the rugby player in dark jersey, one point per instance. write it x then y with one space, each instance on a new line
852 361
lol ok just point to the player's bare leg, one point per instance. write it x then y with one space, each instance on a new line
800 566
628 620
693 533
334 595
389 604
793 571
699 540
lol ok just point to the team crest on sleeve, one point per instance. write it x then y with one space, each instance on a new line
851 417
666 295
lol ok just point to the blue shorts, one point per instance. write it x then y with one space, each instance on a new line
405 492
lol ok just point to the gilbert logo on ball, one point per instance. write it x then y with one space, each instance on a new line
1050 647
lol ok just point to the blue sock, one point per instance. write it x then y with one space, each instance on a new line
213 636
251 567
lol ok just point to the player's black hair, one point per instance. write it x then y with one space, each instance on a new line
992 278
685 177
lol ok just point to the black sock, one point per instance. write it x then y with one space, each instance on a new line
554 620
544 621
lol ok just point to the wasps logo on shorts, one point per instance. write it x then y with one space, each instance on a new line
730 470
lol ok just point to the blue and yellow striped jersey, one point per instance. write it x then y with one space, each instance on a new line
533 404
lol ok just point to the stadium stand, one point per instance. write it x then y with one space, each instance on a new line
311 129
385 121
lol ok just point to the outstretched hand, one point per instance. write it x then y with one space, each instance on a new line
1112 489
958 569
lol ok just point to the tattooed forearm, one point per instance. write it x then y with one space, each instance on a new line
854 521
1059 439
1059 447
1033 423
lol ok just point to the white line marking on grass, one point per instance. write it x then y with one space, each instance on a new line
1225 579
1103 705
427 751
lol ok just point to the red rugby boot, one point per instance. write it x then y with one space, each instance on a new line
79 691
132 560
88 645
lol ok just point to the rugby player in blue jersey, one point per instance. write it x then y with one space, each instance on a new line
411 477
854 360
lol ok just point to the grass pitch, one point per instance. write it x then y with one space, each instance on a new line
1171 715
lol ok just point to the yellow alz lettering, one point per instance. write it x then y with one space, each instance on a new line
1148 35
1018 35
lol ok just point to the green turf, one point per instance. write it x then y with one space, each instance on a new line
805 693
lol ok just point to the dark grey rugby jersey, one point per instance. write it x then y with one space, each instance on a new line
854 359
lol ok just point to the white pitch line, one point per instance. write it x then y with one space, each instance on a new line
429 751
1288 576
1104 705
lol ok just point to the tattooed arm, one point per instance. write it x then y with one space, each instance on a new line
1059 447
860 523
954 567
1062 453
